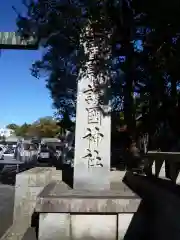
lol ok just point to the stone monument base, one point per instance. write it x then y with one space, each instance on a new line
69 214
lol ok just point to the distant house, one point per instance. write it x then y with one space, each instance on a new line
5 132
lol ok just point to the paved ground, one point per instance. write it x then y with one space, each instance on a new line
6 207
30 234
6 199
7 202
9 160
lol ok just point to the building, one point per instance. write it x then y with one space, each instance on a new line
5 132
12 140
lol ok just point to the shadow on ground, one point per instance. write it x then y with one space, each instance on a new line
158 215
67 174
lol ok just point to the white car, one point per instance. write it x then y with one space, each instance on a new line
9 152
26 152
1 153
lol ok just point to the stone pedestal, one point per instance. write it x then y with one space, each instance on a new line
70 214
28 185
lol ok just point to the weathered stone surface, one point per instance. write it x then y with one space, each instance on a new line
59 198
93 127
99 227
90 226
56 174
124 221
77 227
28 186
38 177
116 177
54 226
29 183
90 177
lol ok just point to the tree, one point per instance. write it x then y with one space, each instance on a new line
65 122
146 81
58 62
22 130
44 127
60 33
12 126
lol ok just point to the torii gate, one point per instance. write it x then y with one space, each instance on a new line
12 40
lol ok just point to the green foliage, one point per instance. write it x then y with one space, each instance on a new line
12 126
65 122
145 83
22 130
59 25
43 127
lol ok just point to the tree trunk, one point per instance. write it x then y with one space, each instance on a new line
129 115
128 97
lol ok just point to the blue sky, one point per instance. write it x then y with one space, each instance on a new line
23 97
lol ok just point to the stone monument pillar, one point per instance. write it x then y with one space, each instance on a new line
93 126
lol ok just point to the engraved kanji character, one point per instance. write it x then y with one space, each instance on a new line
89 94
93 158
98 159
94 115
92 96
94 137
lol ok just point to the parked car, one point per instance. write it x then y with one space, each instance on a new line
46 154
1 153
26 152
3 146
9 152
8 174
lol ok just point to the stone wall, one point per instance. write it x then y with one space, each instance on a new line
29 185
